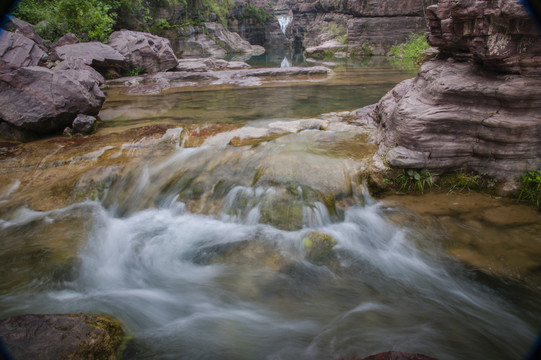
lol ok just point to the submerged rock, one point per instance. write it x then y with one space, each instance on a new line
318 247
57 337
396 355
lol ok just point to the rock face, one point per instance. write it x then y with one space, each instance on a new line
210 40
17 50
477 107
58 337
145 51
94 54
44 100
500 35
365 27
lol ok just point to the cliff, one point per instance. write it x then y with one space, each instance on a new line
478 105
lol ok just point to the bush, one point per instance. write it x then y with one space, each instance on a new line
411 49
88 19
530 188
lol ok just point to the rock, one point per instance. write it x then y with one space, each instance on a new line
329 47
144 51
210 40
318 247
456 117
11 23
209 64
68 39
366 27
94 54
395 355
498 34
429 54
84 124
47 100
19 51
57 337
479 110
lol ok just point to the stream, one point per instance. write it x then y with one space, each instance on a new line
261 240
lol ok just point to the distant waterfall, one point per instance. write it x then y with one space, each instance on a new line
284 22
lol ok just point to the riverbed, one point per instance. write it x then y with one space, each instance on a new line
221 222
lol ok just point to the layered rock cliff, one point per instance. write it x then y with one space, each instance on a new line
365 27
478 106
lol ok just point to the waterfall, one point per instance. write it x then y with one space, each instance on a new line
284 22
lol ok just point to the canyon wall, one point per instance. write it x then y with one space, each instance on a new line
364 27
478 105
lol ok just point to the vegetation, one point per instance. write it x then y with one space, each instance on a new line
530 188
96 19
413 180
259 14
337 32
411 49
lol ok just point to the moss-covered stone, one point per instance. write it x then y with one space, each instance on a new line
318 247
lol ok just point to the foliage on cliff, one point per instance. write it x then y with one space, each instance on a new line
96 19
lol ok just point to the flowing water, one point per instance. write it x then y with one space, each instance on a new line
267 250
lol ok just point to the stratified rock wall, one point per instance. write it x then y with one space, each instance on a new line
366 26
477 107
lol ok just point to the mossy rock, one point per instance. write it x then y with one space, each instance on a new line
67 336
318 247
282 214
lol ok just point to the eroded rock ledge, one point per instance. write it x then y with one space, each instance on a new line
478 106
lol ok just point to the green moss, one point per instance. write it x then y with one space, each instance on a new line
318 247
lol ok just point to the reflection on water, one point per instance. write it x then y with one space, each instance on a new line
263 242
351 87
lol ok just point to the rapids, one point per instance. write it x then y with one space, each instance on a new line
262 242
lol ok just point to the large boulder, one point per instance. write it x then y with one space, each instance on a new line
94 54
47 100
144 51
58 337
453 116
18 51
396 355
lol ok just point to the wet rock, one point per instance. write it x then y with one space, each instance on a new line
19 51
58 337
11 23
44 100
396 355
209 64
94 54
318 247
144 51
84 124
330 47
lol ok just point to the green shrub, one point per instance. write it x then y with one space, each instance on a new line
412 180
411 49
260 14
88 19
530 188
